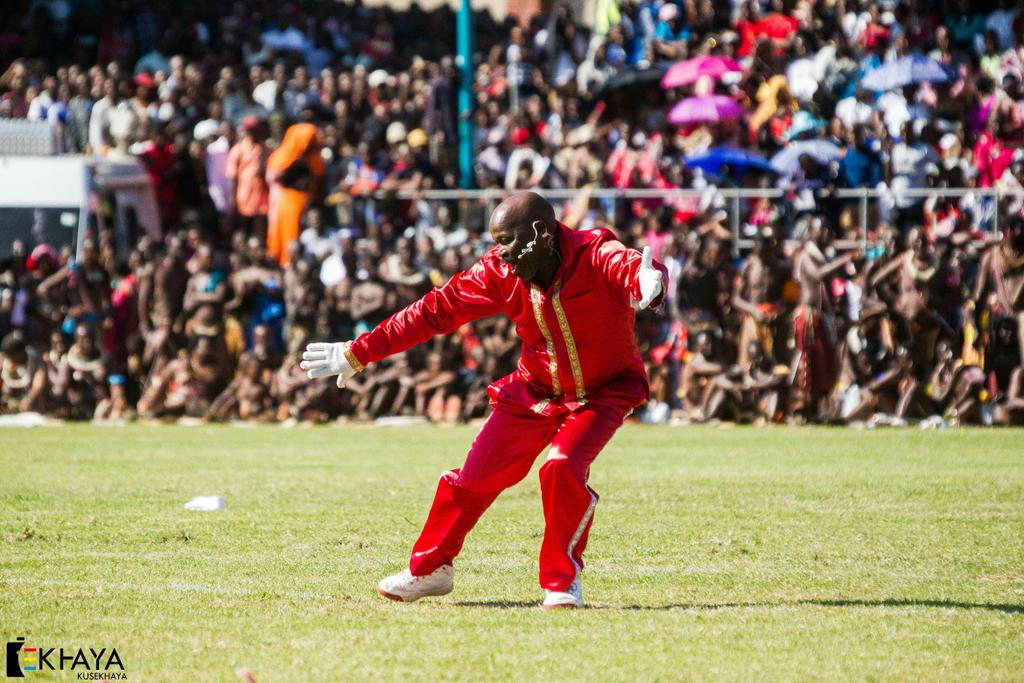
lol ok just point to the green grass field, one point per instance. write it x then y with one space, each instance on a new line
730 554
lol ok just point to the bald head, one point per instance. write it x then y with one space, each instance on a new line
523 208
524 226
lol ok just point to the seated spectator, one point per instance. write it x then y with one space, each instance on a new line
117 406
297 398
20 373
89 383
186 386
747 393
247 397
1011 411
699 373
434 391
384 391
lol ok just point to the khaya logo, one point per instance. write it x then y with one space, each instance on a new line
88 664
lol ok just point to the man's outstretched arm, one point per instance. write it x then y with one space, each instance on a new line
469 295
640 275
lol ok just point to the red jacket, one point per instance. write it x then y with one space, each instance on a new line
577 337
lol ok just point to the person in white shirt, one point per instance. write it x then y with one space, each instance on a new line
41 103
318 239
265 94
855 110
99 120
216 155
895 112
910 159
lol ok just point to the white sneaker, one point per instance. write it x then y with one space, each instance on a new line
570 598
404 587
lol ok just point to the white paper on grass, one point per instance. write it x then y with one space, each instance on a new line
205 503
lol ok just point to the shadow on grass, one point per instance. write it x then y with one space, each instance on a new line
888 602
896 602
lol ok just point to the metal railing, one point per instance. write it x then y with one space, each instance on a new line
732 198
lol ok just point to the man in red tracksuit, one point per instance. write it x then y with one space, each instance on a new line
570 295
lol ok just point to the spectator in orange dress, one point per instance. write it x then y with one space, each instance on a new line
293 172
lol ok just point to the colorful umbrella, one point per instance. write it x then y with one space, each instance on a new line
631 78
736 160
904 71
787 161
689 70
708 108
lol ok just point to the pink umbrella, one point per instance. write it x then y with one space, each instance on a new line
708 108
689 70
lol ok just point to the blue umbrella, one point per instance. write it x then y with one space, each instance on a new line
739 160
904 71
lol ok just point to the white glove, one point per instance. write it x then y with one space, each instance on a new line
649 278
324 360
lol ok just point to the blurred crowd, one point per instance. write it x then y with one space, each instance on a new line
290 146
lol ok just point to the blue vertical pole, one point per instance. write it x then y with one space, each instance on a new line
464 61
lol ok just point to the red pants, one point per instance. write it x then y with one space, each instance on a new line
501 455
